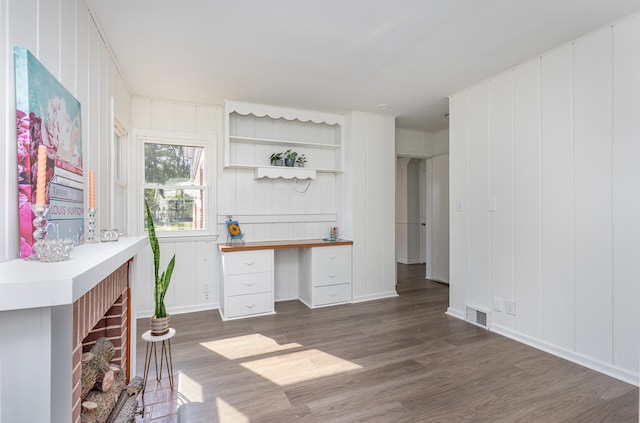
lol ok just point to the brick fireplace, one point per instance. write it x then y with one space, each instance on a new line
102 312
48 311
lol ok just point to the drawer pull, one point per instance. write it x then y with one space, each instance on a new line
250 263
250 283
332 276
333 294
250 306
333 257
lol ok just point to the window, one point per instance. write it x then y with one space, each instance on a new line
175 184
119 212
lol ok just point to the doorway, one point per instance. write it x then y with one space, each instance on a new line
422 213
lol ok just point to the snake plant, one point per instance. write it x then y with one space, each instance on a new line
161 281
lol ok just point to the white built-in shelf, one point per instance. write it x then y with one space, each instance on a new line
254 131
251 140
275 172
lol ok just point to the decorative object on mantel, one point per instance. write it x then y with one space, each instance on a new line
234 233
91 218
276 159
109 235
160 319
48 128
301 160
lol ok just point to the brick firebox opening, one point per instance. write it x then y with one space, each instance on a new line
101 312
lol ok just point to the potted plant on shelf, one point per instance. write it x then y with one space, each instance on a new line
160 319
276 159
290 158
301 160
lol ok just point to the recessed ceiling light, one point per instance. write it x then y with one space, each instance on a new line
383 106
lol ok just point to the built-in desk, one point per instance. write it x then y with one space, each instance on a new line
247 275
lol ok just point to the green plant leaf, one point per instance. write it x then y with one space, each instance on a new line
161 281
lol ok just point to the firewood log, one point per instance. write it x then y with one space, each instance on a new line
88 412
104 349
107 400
128 412
105 375
89 374
135 386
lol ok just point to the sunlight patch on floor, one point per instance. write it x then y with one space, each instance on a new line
299 366
191 389
246 346
228 414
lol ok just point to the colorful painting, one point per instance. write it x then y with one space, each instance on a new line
47 114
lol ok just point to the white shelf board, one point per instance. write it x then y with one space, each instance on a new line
251 140
274 172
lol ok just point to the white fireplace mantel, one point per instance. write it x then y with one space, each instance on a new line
31 284
36 324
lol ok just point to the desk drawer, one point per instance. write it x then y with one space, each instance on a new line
332 256
251 283
243 262
245 305
331 294
333 275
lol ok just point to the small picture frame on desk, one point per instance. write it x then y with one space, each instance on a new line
234 232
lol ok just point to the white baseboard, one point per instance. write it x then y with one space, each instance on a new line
455 313
588 362
372 297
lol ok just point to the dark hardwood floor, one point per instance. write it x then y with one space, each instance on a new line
392 360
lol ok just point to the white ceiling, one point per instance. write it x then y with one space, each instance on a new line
336 55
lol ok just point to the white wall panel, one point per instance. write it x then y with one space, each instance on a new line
371 187
557 198
48 36
162 115
244 189
440 226
502 180
68 26
458 202
374 202
141 108
527 199
626 202
573 172
593 267
479 219
185 118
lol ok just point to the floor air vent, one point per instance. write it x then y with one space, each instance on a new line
477 316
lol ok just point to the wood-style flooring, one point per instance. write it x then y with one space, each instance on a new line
392 360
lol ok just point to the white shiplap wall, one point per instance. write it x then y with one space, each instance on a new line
552 142
63 36
196 258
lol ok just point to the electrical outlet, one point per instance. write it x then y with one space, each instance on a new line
205 287
510 307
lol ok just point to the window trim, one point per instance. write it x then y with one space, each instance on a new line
209 143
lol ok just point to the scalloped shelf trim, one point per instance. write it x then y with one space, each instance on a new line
262 110
284 172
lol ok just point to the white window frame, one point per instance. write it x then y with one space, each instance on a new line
209 145
119 176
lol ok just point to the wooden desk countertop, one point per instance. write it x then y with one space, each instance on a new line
276 245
